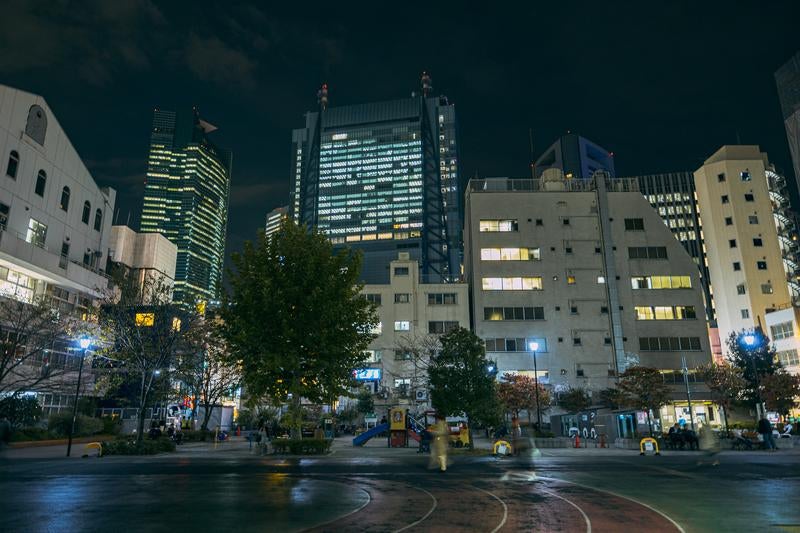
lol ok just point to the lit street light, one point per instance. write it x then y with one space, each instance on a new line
84 343
751 342
535 346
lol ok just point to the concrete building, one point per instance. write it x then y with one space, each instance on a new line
150 256
576 156
383 177
787 79
748 237
275 218
412 316
186 200
783 329
587 270
55 224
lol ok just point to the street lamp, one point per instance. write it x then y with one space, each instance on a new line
84 343
751 342
533 345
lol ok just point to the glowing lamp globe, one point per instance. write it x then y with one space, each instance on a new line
84 342
533 346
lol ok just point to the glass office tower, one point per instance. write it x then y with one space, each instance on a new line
186 200
383 177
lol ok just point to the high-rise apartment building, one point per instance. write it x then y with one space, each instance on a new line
186 200
749 237
382 178
576 156
578 279
275 218
673 197
788 80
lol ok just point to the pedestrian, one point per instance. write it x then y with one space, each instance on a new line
765 429
5 431
441 438
709 443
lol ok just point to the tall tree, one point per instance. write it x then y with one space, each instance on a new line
574 400
781 391
754 361
517 392
462 380
644 388
144 332
296 321
726 384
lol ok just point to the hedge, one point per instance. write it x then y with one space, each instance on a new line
301 446
59 424
196 436
129 447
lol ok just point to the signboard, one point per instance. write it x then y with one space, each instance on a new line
398 419
641 417
367 374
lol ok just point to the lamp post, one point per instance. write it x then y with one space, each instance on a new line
535 346
751 341
84 343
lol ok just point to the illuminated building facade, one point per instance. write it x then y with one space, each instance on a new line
186 200
383 177
275 218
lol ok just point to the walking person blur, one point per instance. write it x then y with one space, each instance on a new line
765 429
441 437
709 444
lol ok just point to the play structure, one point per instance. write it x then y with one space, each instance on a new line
403 427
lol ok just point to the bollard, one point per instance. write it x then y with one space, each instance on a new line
577 440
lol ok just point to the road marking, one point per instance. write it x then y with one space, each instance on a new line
354 511
634 500
575 505
505 508
433 507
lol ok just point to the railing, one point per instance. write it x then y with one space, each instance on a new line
539 185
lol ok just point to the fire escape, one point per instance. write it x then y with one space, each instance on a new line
786 225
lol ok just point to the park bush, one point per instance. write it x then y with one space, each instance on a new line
59 424
301 446
111 426
197 436
30 433
127 446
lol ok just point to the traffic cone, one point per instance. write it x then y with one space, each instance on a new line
577 441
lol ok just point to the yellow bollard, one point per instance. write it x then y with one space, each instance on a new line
648 440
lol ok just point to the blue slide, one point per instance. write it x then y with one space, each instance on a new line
364 437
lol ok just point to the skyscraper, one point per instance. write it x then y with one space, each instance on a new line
576 156
275 218
383 177
186 200
788 80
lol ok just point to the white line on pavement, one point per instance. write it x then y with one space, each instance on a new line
433 507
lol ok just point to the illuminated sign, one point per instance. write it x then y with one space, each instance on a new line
367 374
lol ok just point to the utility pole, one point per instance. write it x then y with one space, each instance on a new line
688 392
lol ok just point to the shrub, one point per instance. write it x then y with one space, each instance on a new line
128 447
20 411
26 434
197 436
111 426
59 425
301 446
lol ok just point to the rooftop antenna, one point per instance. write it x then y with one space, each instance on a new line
738 138
426 84
533 163
322 97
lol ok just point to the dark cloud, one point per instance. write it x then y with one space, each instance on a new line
258 195
212 60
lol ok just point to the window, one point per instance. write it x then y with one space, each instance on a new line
745 175
766 288
568 249
725 199
752 219
402 355
13 164
513 313
374 356
761 265
37 233
570 280
647 252
442 298
661 282
669 344
634 224
788 357
604 310
36 126
678 312
573 309
749 197
145 319
439 326
512 284
510 254
401 271
784 330
740 289
516 345
729 221
504 225
402 298
721 177
597 250
565 221
402 325
601 279
373 298
576 341
64 255
41 182
758 242
745 313
4 210
732 243
98 220
737 266
539 222
378 329
64 204
87 211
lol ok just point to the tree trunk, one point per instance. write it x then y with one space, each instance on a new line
140 414
725 418
206 416
649 423
296 416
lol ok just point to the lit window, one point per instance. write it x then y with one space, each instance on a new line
570 280
378 329
176 324
145 319
37 233
402 325
512 284
505 225
601 279
510 254
766 288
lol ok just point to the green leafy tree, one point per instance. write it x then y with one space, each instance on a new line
643 388
726 384
20 411
574 400
517 392
754 362
365 403
296 321
781 391
611 398
462 380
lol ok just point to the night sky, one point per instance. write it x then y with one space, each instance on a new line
661 88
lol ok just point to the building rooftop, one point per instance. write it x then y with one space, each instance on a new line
551 183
